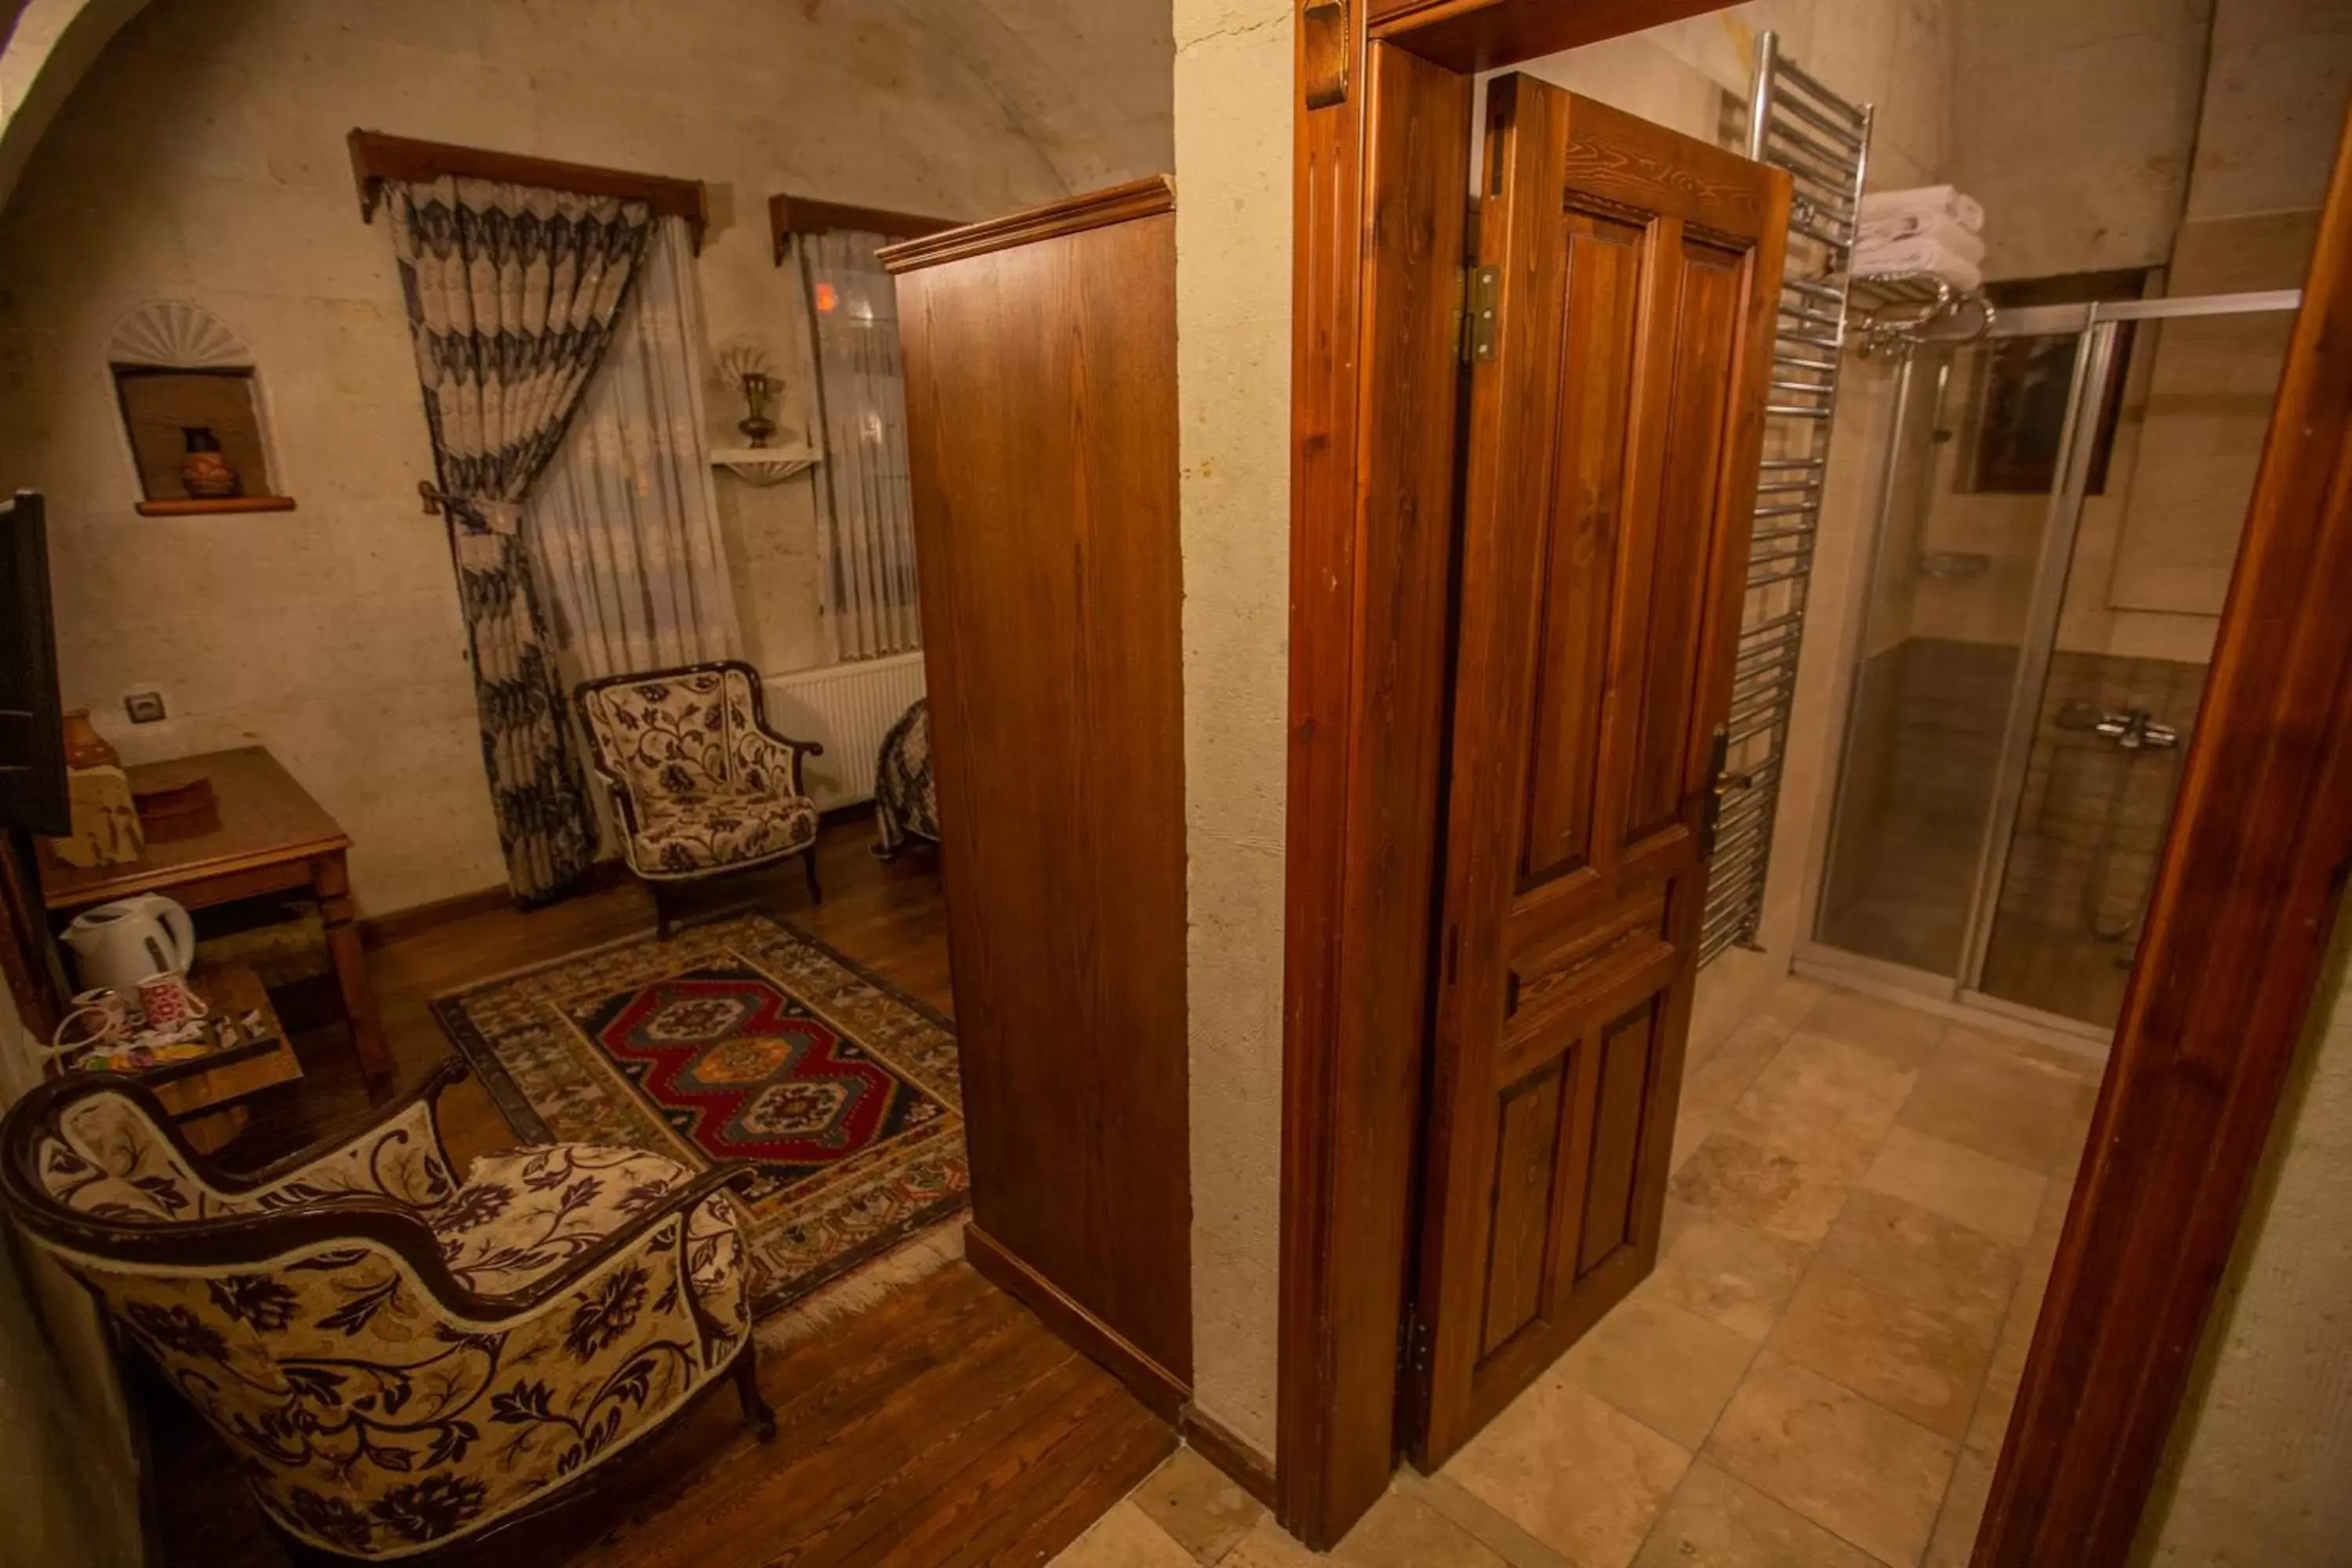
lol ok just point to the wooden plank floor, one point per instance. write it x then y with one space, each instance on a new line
947 1426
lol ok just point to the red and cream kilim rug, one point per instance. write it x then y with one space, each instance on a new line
743 1039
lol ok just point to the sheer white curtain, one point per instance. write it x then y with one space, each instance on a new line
623 525
866 527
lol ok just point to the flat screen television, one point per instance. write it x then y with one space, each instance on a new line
32 732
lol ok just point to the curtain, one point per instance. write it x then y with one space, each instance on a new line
512 294
866 529
624 526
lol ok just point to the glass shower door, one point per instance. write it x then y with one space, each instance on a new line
2125 633
1967 502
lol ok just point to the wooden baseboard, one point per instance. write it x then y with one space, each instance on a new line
1162 1391
1241 1464
375 931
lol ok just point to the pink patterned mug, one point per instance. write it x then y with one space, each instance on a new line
168 1001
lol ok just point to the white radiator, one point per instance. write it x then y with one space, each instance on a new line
848 708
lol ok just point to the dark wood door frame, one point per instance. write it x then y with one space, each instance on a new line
2251 869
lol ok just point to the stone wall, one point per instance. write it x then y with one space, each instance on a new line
1232 295
201 158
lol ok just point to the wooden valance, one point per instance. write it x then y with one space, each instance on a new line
789 215
377 157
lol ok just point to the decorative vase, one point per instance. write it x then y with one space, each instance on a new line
205 473
757 426
85 747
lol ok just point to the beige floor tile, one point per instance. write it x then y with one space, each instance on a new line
1715 1521
1791 997
1820 1090
1729 1273
1676 1218
2041 1252
1268 1545
1488 1525
1989 1423
1922 1257
1404 1532
1917 1363
1669 1369
1989 1098
1200 1509
1577 1474
1964 1506
1904 1036
2083 1066
1691 1129
1124 1538
1710 1087
1794 1196
1856 1470
1992 1196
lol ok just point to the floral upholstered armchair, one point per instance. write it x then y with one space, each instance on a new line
401 1362
698 783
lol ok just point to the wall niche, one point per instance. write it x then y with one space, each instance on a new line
185 387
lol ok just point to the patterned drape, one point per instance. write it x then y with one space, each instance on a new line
511 294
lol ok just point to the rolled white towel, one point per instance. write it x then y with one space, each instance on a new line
1926 200
1936 229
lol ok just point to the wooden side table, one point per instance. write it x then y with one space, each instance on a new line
272 838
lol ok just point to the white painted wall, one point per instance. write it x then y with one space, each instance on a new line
1233 313
201 158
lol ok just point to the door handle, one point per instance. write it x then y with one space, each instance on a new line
1722 781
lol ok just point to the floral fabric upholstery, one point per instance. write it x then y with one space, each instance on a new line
906 805
695 835
521 1214
700 785
374 1417
111 1161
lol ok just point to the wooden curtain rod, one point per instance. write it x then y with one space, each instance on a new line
789 215
377 157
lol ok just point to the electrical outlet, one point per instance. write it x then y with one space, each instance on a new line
144 707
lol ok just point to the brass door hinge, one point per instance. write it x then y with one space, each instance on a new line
1482 287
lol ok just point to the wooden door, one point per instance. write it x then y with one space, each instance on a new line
1616 409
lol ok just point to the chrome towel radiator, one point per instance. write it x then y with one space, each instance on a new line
1799 125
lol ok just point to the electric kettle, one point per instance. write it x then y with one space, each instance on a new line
120 945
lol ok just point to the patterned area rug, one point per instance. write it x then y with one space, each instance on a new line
743 1039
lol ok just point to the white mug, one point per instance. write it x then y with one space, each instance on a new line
168 1001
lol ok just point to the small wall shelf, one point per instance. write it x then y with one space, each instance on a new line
214 506
764 465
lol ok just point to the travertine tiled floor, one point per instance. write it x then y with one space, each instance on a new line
1865 1208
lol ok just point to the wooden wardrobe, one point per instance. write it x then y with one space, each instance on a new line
1040 417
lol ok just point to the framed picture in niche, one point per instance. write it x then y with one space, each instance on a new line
190 400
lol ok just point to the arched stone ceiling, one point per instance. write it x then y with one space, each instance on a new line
1088 81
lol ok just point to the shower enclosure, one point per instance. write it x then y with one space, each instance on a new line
2058 516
